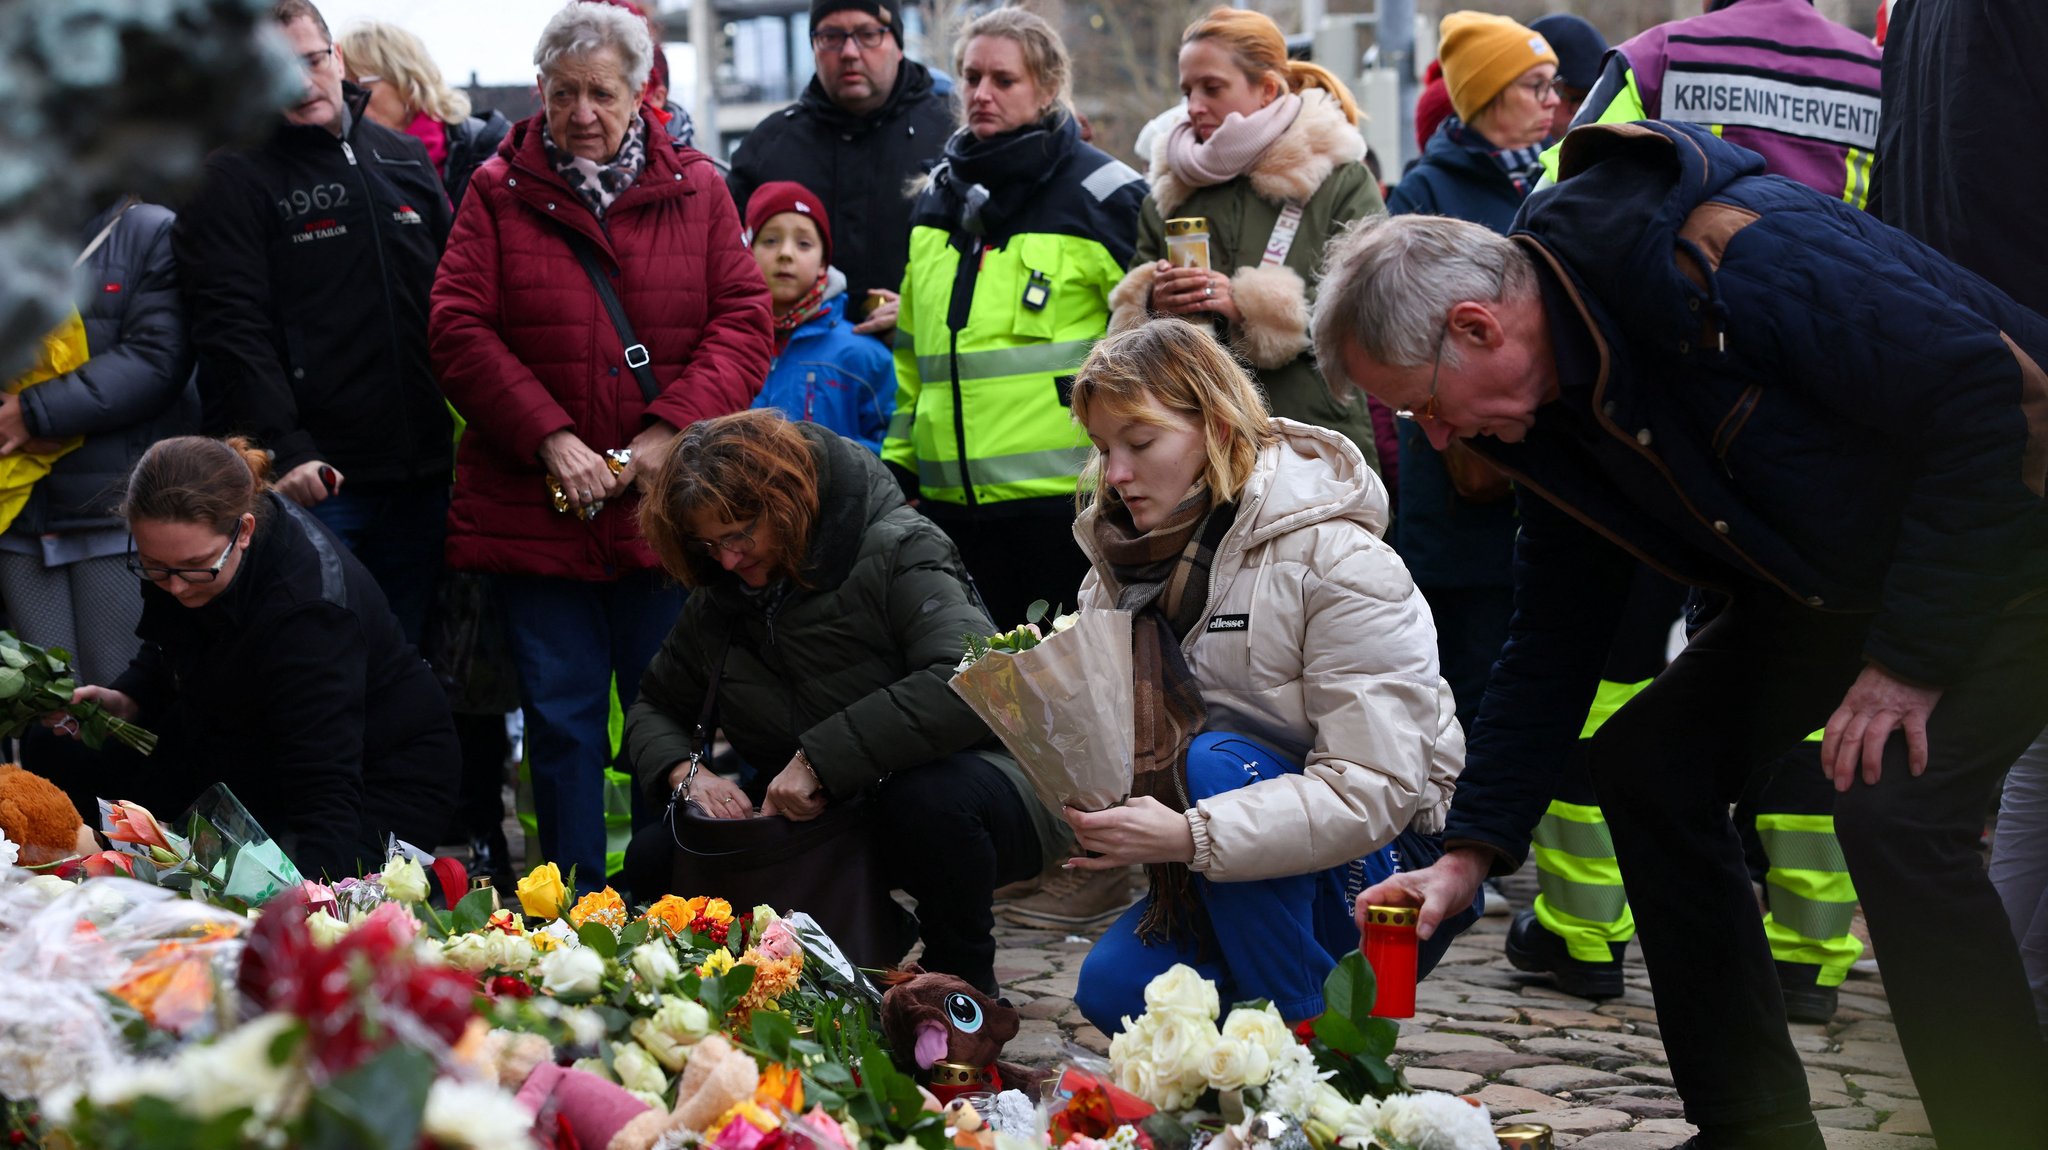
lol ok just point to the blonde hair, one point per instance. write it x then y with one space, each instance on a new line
397 57
1258 49
1185 370
1045 54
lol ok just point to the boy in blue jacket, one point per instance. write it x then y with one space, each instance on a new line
823 371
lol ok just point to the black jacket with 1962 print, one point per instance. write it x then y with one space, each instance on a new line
306 262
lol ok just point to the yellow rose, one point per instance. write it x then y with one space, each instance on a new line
541 892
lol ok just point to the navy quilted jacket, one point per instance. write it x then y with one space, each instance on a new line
1781 391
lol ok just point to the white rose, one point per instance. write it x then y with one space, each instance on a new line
46 888
1228 1064
637 1069
1181 990
1179 1044
470 952
235 1071
672 1029
586 1027
656 964
475 1116
1263 1028
325 928
1065 622
511 952
404 881
1329 1106
574 973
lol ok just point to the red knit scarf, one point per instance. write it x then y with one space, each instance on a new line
808 307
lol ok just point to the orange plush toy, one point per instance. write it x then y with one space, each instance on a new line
37 816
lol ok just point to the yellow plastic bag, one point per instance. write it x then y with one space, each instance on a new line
64 351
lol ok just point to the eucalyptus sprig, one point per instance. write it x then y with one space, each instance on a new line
36 681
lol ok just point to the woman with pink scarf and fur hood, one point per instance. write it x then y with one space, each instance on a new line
1271 155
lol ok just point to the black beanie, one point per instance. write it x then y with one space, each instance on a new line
889 12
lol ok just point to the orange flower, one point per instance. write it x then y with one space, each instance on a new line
603 906
134 824
773 978
781 1086
716 911
673 913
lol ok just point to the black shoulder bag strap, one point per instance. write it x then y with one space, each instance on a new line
636 352
700 740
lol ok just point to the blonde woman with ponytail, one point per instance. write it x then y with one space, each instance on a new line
1269 144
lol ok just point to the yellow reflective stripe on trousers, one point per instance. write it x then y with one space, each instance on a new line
1059 463
1609 698
1581 899
1004 362
1813 900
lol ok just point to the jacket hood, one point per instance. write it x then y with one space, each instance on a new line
1625 190
1312 475
913 83
1290 169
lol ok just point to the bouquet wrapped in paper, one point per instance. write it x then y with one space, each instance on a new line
1061 702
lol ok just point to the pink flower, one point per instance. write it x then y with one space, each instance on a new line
99 865
134 824
778 941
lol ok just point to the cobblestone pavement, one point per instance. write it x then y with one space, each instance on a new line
1595 1073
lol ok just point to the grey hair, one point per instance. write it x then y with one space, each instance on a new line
581 29
1389 281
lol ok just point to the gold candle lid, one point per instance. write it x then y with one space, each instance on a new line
958 1074
1534 1135
1390 916
1186 225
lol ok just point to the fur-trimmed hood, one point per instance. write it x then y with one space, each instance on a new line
1291 169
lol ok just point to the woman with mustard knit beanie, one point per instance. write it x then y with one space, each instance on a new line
1455 525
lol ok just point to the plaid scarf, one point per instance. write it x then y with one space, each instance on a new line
808 307
1162 578
597 185
1522 166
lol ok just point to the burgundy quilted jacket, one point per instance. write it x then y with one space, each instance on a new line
523 346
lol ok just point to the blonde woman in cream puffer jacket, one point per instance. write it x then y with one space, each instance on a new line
1335 667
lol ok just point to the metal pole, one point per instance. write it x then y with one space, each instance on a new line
1395 31
706 37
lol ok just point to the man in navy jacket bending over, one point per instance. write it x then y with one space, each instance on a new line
1760 390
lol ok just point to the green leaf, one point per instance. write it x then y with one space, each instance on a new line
599 937
11 682
721 992
1380 1034
473 913
1036 611
1350 990
773 1033
1338 1033
12 658
635 934
832 1074
376 1106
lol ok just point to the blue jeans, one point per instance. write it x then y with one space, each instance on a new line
569 640
1276 939
396 531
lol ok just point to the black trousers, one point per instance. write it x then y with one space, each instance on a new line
1759 678
948 833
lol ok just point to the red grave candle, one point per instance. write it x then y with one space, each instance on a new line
1389 945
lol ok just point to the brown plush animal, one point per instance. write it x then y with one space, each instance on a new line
950 1035
37 816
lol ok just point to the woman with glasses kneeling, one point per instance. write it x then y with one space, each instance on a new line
1293 728
271 662
837 612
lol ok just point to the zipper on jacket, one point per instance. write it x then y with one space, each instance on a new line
390 316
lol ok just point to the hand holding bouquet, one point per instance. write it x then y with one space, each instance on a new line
1061 702
35 682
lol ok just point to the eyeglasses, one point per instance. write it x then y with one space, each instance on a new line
368 82
1542 89
314 61
738 543
188 574
1428 412
834 39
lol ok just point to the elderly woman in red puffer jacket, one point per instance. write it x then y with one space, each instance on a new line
528 354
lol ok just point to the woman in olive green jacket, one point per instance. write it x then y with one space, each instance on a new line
1269 144
839 611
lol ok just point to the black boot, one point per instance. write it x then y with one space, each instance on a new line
1534 948
1805 999
1800 1133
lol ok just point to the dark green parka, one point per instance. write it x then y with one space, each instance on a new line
853 668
